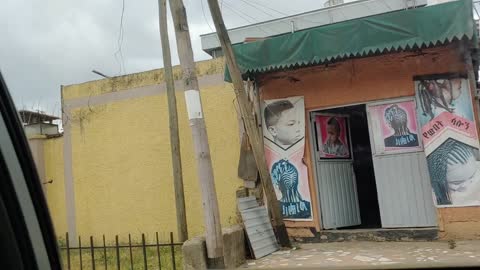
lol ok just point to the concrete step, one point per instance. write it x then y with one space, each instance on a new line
379 235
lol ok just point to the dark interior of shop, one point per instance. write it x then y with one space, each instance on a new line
363 165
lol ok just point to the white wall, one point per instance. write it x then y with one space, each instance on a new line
434 2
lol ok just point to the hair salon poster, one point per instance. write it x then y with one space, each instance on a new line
332 136
284 141
448 131
396 124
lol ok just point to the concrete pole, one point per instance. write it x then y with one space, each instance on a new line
211 212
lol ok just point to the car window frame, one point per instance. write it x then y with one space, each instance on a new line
32 206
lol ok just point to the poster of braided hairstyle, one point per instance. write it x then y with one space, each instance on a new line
397 118
395 127
435 96
285 177
450 139
451 156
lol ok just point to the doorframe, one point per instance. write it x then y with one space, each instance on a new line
313 154
313 159
372 143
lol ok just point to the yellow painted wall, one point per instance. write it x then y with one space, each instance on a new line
122 161
98 87
55 191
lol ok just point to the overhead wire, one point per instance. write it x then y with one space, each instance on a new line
263 11
245 17
262 8
255 7
239 12
231 9
119 54
206 21
260 5
205 16
267 7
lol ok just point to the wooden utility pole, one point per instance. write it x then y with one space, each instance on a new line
247 112
173 122
211 214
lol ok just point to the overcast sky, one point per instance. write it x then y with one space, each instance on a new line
52 42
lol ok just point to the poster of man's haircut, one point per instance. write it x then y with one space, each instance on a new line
449 134
284 141
397 124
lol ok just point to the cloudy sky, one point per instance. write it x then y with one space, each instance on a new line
53 42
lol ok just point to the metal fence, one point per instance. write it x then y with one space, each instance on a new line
159 255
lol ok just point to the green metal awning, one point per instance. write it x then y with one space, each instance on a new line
400 30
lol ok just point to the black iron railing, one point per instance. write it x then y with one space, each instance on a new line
159 255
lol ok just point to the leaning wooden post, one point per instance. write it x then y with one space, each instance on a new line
250 126
211 212
173 120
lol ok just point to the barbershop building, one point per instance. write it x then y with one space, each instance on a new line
371 124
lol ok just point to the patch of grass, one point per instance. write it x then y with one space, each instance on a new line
137 261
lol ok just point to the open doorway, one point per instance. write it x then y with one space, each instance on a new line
345 199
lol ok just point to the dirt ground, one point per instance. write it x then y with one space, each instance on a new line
371 255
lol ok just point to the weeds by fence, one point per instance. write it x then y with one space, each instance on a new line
156 256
